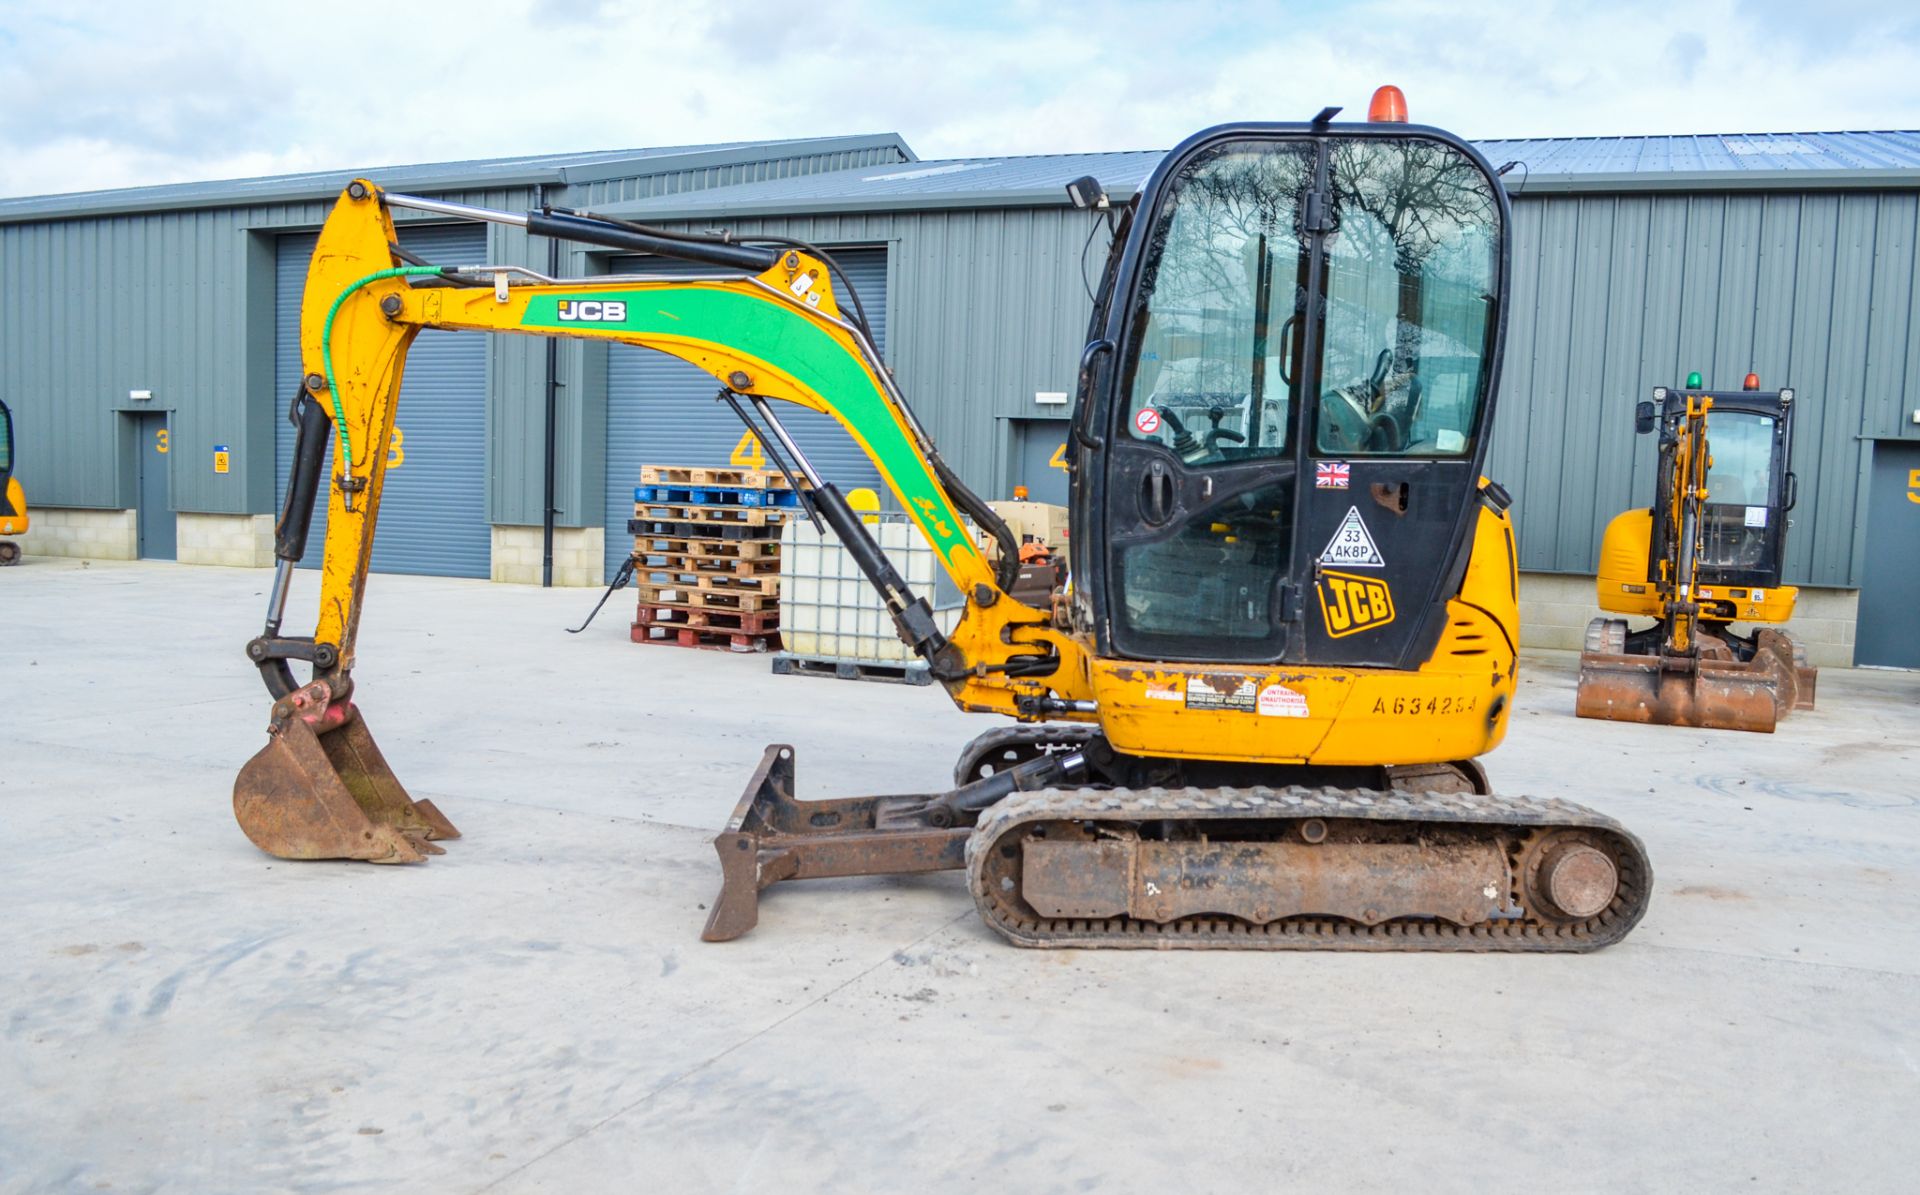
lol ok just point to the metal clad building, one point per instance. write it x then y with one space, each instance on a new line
170 292
1636 260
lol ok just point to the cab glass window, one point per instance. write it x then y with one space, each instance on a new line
1409 306
1213 370
1739 514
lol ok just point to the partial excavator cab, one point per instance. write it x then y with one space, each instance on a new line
13 502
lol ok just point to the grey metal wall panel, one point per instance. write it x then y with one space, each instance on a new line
661 410
1892 378
1614 295
433 516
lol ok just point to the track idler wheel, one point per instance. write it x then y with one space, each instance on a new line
1570 875
320 789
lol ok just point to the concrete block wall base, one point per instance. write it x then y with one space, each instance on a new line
241 541
578 553
82 533
1556 607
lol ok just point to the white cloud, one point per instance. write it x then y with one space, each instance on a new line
101 95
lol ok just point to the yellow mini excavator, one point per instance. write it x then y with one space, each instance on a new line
1293 620
13 501
1707 554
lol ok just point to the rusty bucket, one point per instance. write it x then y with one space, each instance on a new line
1713 694
320 789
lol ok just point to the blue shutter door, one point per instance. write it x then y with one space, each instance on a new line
433 514
661 410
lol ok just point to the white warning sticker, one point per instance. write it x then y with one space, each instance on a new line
1756 516
1278 701
1147 420
1352 545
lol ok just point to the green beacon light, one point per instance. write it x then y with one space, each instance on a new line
1693 380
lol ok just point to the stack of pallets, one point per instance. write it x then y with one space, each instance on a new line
708 543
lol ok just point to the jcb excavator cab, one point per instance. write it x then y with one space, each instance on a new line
1750 489
13 502
1289 376
1707 553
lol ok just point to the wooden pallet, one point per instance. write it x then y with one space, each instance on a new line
754 567
676 512
915 673
754 551
758 622
698 598
670 571
690 475
702 637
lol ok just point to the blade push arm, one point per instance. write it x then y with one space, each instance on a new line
778 334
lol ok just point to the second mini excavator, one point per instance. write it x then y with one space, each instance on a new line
1253 725
13 500
1707 554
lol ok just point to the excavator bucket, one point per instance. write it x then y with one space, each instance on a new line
1677 691
320 789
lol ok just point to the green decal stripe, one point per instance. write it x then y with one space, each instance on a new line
797 346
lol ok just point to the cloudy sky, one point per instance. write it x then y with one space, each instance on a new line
99 95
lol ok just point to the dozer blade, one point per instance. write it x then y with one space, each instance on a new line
772 837
1673 691
320 789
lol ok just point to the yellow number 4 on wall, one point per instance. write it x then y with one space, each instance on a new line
748 454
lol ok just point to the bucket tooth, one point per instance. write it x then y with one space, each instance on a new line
329 794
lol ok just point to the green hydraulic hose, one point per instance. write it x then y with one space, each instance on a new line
326 350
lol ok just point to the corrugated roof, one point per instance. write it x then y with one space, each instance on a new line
1898 150
1696 162
473 174
1012 181
1723 161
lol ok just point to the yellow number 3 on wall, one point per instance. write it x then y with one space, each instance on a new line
1913 485
396 454
160 441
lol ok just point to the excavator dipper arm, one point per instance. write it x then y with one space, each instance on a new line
766 324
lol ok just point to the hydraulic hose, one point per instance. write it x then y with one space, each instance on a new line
326 349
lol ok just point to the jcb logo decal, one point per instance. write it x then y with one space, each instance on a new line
1351 604
593 311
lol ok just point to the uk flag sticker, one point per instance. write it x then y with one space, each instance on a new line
1332 475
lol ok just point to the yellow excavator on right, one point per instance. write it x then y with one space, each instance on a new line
1706 555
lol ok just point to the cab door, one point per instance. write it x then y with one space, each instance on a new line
1406 338
1200 471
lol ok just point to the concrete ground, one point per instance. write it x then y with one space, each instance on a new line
534 1011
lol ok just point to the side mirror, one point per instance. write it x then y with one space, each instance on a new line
1643 417
1086 193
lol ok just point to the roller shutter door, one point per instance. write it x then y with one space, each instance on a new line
661 410
433 515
